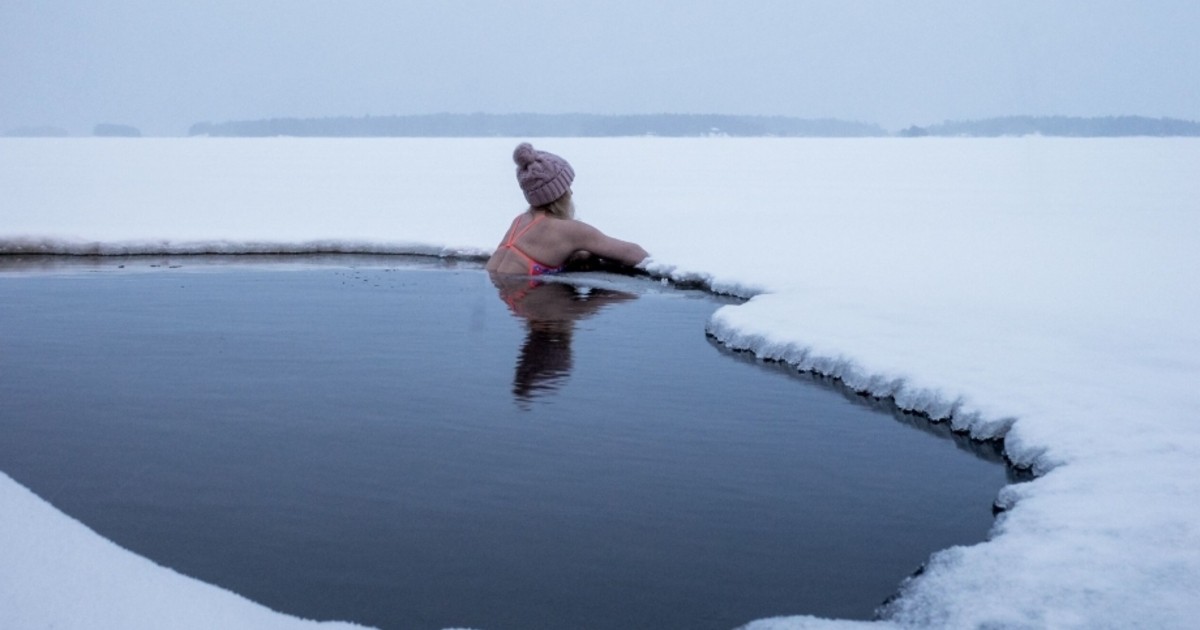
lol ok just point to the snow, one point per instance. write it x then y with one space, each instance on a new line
1036 289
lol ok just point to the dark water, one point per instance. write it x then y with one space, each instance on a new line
403 448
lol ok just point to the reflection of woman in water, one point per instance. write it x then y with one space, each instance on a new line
544 238
550 310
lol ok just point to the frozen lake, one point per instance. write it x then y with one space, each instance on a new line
341 438
1035 289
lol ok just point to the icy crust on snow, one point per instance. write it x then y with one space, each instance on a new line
74 247
1040 290
815 623
688 278
928 401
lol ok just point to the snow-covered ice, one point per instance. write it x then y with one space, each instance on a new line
1040 290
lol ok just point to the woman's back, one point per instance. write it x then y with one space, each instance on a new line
531 246
538 243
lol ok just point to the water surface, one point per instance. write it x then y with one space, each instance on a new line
409 447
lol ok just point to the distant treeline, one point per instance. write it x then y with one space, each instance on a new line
1109 126
669 125
111 130
102 129
36 132
539 125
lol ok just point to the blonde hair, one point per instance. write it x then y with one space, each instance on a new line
562 207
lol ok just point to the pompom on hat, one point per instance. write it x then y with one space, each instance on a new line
543 176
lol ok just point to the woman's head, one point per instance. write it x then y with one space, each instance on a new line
544 177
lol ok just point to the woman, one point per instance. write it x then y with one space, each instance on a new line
545 237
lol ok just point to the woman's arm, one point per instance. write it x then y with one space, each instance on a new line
587 238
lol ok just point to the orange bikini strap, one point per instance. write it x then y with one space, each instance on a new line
516 235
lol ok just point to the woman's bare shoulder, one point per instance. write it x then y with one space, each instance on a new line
586 237
574 226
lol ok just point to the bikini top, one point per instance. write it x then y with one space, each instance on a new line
536 268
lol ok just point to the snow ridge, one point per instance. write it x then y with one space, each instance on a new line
929 402
74 247
687 278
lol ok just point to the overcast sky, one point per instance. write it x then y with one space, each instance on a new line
163 65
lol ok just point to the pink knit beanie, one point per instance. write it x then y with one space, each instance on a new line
543 176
